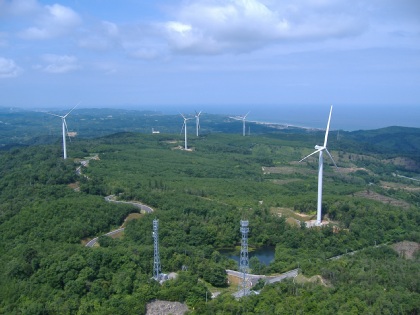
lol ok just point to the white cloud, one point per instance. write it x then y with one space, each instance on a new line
8 68
55 20
242 25
58 64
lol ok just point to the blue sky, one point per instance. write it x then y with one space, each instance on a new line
145 54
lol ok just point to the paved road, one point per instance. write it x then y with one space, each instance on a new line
253 279
139 205
93 241
110 198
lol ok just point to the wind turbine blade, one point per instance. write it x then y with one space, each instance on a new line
182 129
71 110
67 129
331 157
246 114
328 128
319 150
55 115
182 116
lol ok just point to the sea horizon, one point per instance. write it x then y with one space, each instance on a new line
344 117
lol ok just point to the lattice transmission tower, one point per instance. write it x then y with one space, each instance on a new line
156 258
244 261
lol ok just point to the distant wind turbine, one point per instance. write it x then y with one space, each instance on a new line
184 127
197 121
243 121
320 150
64 127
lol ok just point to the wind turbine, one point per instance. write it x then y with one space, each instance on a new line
320 150
184 126
64 127
197 121
243 123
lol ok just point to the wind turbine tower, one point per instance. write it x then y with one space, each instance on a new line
65 129
243 124
244 261
320 149
156 258
197 122
184 126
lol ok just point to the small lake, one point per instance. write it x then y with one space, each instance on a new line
264 254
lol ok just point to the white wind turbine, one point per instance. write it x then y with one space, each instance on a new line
320 150
64 127
197 121
243 123
184 126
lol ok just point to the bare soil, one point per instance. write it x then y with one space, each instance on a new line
406 249
289 213
158 307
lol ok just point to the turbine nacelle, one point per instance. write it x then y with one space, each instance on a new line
318 147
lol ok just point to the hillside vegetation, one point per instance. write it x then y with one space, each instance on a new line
47 211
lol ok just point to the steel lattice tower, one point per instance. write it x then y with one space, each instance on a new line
156 259
244 261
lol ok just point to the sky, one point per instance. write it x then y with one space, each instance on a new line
145 54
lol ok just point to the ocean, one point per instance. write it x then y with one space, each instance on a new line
344 117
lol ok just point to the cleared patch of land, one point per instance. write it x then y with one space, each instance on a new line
301 279
384 199
290 214
406 249
407 163
165 307
389 185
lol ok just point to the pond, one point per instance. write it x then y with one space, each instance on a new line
264 254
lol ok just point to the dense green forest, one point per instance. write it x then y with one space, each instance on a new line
48 211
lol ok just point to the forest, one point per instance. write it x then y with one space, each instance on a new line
48 212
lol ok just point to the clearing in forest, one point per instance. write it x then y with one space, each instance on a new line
390 185
384 199
406 249
301 279
290 214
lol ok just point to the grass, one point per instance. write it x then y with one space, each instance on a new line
290 214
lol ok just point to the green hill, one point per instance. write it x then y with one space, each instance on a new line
48 211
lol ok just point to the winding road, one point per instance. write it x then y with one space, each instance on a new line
111 198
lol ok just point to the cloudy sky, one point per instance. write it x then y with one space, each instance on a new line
209 52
